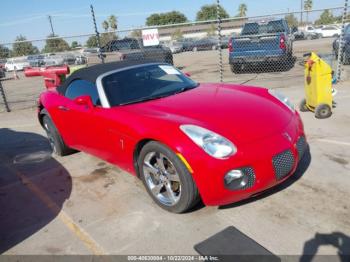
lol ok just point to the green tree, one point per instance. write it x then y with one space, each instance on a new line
209 12
92 41
291 20
242 10
112 20
211 31
177 34
136 34
55 44
325 18
107 37
307 7
105 25
104 39
75 44
4 52
21 48
173 17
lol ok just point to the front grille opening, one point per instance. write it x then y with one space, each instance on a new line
249 172
283 164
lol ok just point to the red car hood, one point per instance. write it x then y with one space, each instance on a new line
239 113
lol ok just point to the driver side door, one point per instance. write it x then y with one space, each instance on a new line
77 119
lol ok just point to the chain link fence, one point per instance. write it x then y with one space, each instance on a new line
262 50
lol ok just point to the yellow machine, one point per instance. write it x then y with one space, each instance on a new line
318 87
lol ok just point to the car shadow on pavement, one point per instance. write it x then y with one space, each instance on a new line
33 186
336 239
301 169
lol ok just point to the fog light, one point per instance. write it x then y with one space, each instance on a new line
236 179
233 175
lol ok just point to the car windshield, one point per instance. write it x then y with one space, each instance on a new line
145 83
271 27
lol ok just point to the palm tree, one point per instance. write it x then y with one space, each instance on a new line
242 10
113 22
105 25
308 8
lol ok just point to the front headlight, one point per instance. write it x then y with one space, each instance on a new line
285 100
213 144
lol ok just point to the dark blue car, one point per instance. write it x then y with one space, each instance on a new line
261 43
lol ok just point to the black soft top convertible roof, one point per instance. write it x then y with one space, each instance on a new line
91 73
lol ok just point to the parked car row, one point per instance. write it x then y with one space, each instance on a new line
19 63
194 45
304 35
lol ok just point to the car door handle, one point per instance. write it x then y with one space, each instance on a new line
63 108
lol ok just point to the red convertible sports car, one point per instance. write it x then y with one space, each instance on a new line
218 142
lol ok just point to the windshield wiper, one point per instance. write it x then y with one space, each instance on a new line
185 89
144 99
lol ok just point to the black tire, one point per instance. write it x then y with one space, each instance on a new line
189 196
302 106
323 111
235 68
56 142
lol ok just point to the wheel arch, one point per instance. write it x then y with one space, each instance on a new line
42 112
141 143
137 149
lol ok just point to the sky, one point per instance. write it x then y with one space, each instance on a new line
72 17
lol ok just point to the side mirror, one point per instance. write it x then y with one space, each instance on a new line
84 101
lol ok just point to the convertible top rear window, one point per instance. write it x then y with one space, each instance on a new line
271 27
144 83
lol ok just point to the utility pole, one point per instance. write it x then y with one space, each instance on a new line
100 55
301 12
50 20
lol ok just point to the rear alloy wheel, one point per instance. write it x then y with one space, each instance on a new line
214 47
166 178
195 49
56 142
323 111
302 106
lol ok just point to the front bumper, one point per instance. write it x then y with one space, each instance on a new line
252 60
272 160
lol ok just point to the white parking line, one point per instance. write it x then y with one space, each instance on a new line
334 142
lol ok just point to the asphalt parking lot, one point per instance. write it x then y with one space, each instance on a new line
79 204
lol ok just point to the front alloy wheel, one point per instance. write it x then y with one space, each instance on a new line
162 178
166 178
